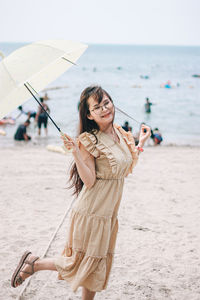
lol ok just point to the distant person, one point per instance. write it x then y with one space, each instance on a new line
30 114
46 97
152 135
42 117
7 120
126 126
196 75
147 106
156 136
167 85
144 76
21 134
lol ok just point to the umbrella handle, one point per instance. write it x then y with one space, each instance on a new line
66 139
63 135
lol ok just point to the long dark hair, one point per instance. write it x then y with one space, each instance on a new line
86 125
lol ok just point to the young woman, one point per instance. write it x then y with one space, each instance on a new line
104 155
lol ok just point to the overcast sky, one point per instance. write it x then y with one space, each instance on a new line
159 22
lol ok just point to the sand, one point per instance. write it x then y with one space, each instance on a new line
158 246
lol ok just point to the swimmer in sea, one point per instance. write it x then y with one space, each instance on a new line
147 106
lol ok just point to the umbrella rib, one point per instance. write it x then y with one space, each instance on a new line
32 88
8 72
69 61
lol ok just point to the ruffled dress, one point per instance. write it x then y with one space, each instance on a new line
88 254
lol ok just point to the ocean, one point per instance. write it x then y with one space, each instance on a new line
122 70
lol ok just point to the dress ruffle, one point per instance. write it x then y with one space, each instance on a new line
89 142
129 139
82 270
95 147
108 153
87 257
95 242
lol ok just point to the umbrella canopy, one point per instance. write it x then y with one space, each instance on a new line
34 66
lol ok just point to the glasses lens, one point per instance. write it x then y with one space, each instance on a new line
107 105
97 110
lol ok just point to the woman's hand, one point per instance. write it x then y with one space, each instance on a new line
84 160
69 143
145 133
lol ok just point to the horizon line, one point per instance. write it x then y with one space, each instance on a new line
109 44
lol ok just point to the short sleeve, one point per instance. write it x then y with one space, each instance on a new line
128 137
89 141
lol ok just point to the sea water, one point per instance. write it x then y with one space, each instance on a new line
121 71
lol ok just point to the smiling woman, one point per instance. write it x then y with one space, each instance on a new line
104 155
93 118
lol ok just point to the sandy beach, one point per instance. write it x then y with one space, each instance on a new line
157 253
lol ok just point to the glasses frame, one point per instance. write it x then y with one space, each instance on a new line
103 105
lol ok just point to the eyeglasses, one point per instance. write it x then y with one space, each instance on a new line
107 105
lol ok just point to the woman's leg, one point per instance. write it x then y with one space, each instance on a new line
39 265
45 264
49 264
87 295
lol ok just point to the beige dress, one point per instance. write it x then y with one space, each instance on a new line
88 254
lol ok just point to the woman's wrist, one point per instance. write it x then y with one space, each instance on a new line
76 153
140 144
140 149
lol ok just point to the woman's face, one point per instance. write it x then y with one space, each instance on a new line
102 113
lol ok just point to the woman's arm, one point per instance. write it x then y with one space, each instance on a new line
86 166
85 162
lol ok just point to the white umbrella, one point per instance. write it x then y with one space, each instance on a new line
29 69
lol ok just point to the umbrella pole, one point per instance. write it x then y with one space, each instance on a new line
25 84
127 115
